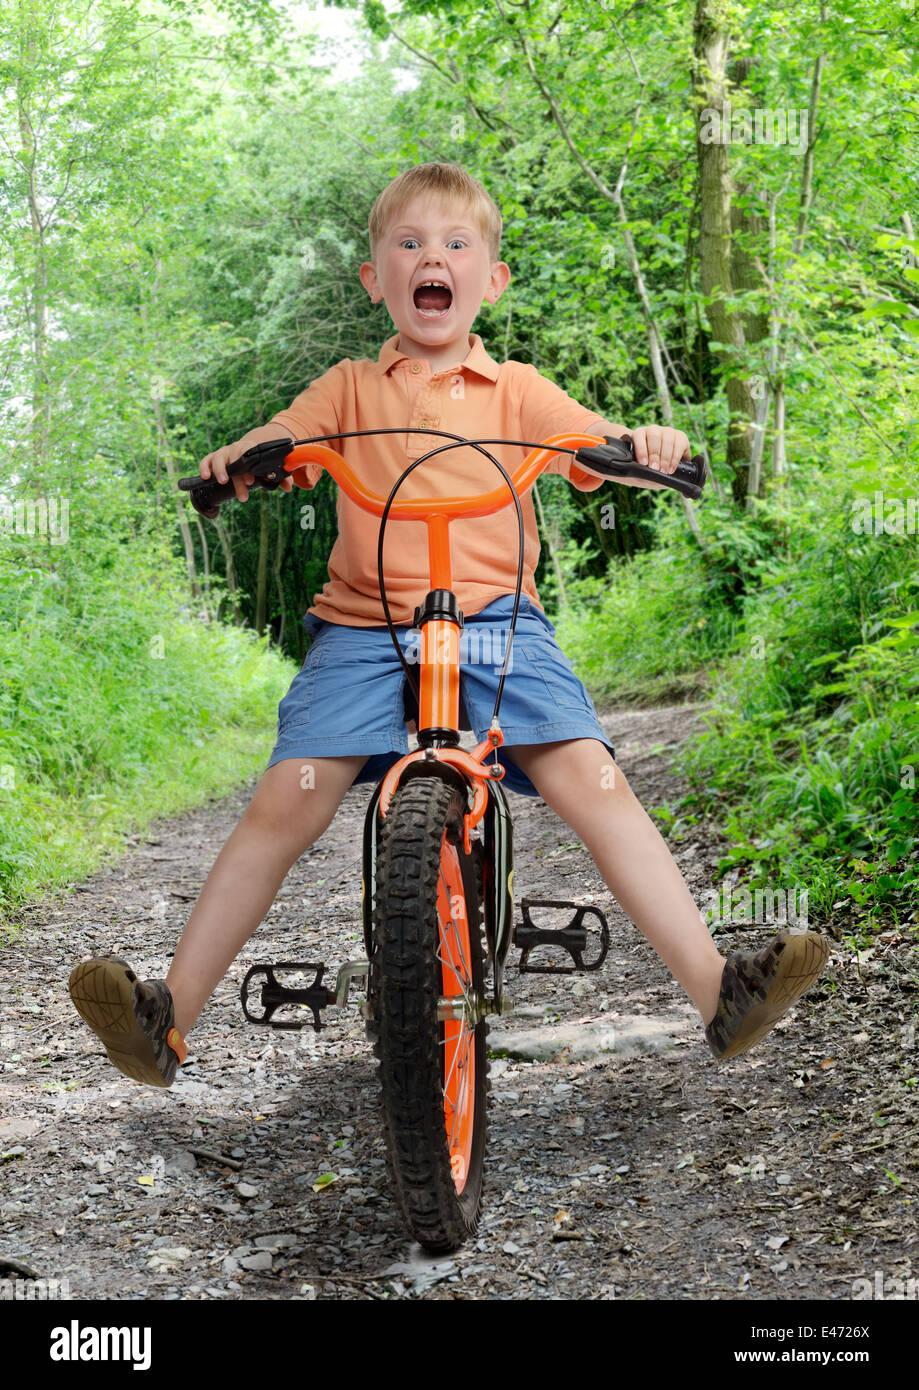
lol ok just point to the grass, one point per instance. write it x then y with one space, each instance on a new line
117 706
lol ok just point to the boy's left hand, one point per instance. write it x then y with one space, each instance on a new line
659 446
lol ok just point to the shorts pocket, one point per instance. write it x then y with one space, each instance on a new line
564 690
296 705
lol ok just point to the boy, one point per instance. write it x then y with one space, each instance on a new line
434 244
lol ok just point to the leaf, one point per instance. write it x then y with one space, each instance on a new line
884 307
324 1180
147 1180
833 689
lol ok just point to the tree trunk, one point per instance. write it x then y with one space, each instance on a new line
614 196
261 591
746 230
807 173
279 548
163 445
164 451
755 485
226 546
205 551
711 87
40 429
604 536
779 459
552 543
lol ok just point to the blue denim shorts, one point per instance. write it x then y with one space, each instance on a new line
348 697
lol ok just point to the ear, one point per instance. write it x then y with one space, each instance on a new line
499 281
370 282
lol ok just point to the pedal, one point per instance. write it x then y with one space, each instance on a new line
573 939
273 995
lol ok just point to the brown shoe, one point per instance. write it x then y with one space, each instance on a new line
757 988
134 1019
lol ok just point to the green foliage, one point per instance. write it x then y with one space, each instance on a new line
650 629
813 736
117 701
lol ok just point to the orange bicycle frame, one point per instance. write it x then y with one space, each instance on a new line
439 676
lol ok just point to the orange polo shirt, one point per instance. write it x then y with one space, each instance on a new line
478 398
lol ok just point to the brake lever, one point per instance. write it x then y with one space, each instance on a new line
264 461
615 459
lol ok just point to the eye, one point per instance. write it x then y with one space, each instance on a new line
405 239
457 241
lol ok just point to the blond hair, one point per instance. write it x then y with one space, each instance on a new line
446 182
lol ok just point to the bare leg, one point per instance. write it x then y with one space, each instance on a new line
579 781
281 821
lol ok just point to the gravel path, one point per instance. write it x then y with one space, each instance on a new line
650 1173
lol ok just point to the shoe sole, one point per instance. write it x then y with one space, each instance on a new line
798 967
103 995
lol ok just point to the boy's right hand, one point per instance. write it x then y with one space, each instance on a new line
215 465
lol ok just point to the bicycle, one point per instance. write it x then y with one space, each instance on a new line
430 887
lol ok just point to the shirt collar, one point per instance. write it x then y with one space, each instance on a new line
477 360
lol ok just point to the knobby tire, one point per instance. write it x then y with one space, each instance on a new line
420 851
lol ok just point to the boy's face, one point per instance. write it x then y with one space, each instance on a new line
432 240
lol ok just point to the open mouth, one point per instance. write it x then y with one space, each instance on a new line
433 301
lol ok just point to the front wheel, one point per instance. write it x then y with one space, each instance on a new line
427 947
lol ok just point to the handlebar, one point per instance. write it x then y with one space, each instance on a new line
271 461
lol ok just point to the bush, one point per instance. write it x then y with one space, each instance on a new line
117 703
813 735
654 627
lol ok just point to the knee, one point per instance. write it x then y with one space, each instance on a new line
291 808
276 833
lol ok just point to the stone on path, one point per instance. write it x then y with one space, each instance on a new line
579 1042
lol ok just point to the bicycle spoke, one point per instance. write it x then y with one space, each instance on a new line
454 1042
465 964
445 941
463 1096
463 982
463 1068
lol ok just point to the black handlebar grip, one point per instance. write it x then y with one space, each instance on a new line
207 497
210 497
692 470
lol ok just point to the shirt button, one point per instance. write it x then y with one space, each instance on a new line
416 367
